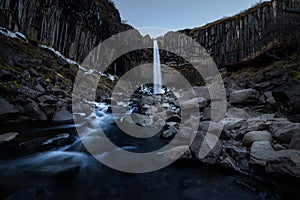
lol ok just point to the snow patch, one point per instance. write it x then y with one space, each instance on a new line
10 34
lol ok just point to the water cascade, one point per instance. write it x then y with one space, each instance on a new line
157 82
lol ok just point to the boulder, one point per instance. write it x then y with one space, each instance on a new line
286 133
261 152
62 116
254 136
206 148
295 142
286 164
245 96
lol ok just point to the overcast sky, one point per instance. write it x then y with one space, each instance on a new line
178 14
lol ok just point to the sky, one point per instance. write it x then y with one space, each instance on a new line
178 14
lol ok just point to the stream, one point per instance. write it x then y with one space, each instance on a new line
57 166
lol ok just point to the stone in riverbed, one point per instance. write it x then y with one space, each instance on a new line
8 136
245 96
286 132
254 136
62 116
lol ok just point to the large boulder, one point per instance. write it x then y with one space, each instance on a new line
254 136
245 96
286 132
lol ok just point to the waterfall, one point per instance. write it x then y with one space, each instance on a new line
157 81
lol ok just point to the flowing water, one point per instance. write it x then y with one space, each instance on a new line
69 172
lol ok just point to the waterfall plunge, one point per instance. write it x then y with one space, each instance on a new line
157 82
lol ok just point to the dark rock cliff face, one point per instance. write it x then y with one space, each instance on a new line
249 34
73 27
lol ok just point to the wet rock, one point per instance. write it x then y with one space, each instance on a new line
254 136
206 148
295 142
214 128
286 133
62 115
8 136
245 96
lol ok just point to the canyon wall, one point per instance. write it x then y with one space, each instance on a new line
73 27
245 36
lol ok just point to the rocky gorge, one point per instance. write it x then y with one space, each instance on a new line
42 156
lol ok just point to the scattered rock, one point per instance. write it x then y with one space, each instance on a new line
245 96
254 136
